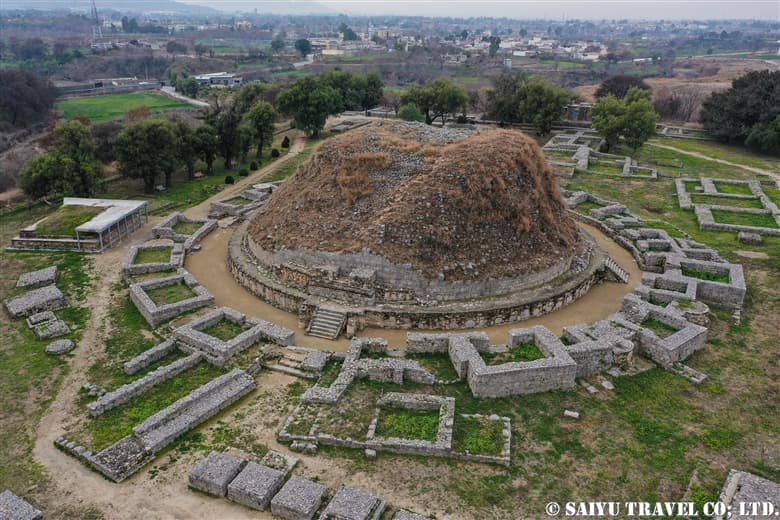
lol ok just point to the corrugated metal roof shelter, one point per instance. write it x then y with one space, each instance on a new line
120 218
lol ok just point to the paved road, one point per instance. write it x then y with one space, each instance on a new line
181 97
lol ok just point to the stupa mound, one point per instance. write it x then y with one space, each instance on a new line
454 204
406 225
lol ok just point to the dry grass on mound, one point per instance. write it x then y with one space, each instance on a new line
453 203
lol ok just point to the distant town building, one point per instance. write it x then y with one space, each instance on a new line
219 80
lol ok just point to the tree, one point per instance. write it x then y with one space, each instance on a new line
501 98
632 118
619 86
357 92
186 146
541 103
147 150
347 33
24 97
495 42
640 118
247 96
190 87
205 143
753 99
277 45
765 137
436 99
174 47
410 112
70 168
261 119
310 102
303 46
228 138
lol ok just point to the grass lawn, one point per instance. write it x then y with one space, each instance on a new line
238 201
773 194
291 165
224 330
661 329
697 198
152 256
408 424
585 207
744 219
733 189
519 353
478 435
609 168
439 365
726 152
30 378
170 294
329 373
64 221
705 275
187 228
105 108
102 431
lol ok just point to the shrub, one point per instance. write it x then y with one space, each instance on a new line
274 153
243 172
253 166
286 142
229 179
410 112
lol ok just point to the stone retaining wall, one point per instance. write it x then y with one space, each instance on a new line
127 392
148 357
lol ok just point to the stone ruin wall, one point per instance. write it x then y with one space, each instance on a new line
247 273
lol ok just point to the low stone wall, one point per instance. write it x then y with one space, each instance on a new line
160 429
155 314
39 278
218 351
165 229
176 260
148 357
127 392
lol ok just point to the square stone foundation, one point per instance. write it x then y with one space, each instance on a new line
299 499
213 474
255 486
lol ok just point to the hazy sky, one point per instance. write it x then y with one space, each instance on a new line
555 9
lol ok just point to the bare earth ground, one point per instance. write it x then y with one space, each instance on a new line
160 490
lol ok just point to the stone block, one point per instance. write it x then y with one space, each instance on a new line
213 474
48 298
255 486
40 317
299 499
753 239
13 507
39 278
51 329
741 487
60 346
353 504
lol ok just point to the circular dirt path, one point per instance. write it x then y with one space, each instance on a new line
209 266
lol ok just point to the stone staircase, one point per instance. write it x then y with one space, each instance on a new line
327 323
618 272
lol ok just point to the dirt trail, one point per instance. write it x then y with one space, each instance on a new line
210 268
698 155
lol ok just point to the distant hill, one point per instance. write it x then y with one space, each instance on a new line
300 7
136 6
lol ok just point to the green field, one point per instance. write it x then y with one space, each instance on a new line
105 108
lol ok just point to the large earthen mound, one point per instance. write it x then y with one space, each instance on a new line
455 204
